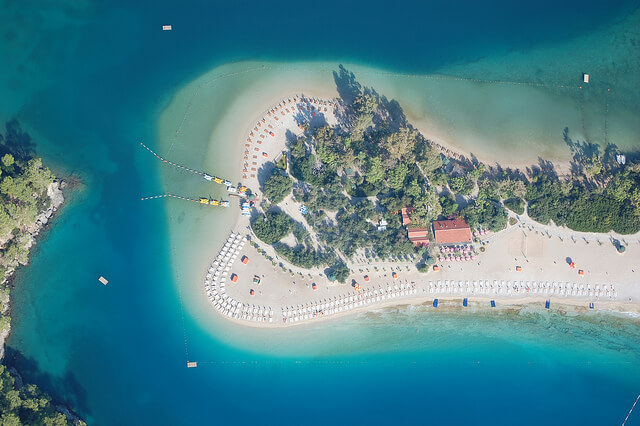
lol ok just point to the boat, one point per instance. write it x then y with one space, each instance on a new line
232 189
166 28
204 201
217 180
227 183
224 203
243 189
207 177
215 203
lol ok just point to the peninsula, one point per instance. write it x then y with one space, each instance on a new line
346 206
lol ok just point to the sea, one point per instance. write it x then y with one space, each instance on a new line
88 81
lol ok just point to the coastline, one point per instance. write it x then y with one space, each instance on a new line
43 219
236 306
232 124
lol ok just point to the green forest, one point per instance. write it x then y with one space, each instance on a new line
374 163
27 405
23 194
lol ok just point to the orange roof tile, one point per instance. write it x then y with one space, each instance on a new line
451 231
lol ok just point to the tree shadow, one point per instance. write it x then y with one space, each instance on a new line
75 395
582 152
546 167
348 87
16 142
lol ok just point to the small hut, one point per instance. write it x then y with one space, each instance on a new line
518 268
234 278
245 259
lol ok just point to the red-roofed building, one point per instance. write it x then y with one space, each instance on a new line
451 231
419 236
406 213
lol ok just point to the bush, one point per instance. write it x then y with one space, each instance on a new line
338 272
277 187
302 256
273 227
516 205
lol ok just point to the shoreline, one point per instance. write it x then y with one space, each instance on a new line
56 193
231 124
238 308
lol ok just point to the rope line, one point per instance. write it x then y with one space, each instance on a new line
171 163
630 411
184 328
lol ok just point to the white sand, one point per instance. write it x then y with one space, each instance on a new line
215 114
543 252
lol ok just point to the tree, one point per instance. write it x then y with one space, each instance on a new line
594 167
511 188
400 145
397 176
272 227
365 209
456 184
426 208
7 160
449 205
375 172
277 187
428 157
414 189
516 205
340 272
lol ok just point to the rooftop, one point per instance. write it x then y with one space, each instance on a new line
451 231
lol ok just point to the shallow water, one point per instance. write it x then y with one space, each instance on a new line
89 81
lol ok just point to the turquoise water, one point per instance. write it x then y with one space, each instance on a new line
90 80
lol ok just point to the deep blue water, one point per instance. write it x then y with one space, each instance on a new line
89 82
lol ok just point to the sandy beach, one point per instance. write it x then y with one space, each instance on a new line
274 293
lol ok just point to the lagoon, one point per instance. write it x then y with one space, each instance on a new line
91 81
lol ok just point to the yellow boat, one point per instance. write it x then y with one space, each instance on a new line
217 180
214 202
243 189
204 200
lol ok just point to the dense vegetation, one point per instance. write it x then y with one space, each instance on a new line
23 194
585 207
374 163
272 227
26 405
278 186
516 205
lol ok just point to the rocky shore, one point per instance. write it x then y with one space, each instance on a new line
55 194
